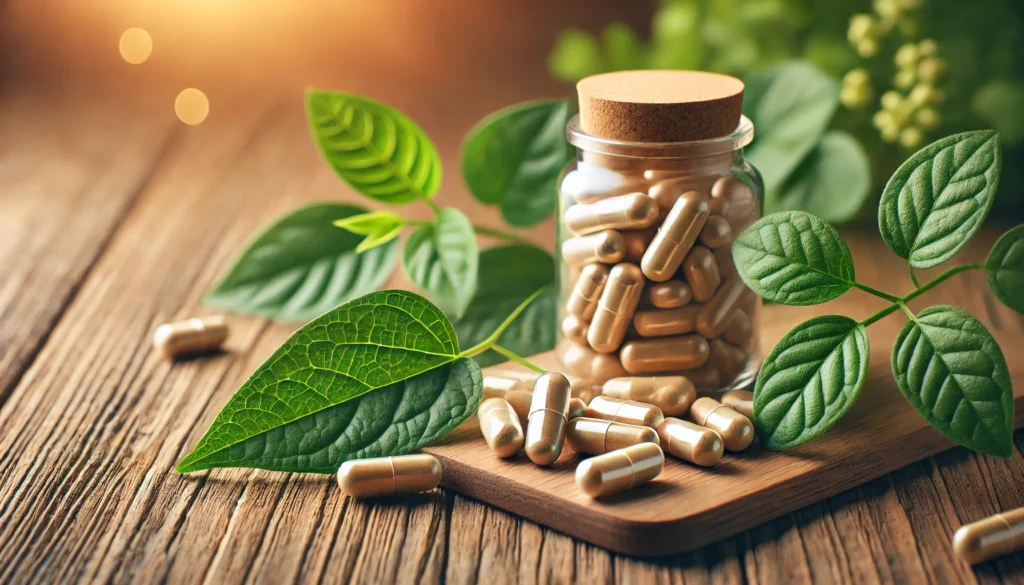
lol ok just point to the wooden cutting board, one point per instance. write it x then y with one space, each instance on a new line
688 507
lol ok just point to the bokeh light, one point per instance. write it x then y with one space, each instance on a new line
136 45
191 106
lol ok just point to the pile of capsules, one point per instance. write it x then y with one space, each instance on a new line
628 426
649 285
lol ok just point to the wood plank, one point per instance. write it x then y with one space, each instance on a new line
67 178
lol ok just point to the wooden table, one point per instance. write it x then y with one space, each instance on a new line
112 222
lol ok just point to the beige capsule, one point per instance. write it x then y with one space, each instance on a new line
990 537
705 377
626 212
726 265
389 476
714 317
726 358
657 175
670 294
581 387
690 442
675 237
740 329
587 290
520 401
664 322
191 337
594 436
701 271
575 329
630 412
742 401
665 193
498 386
673 395
500 427
616 307
716 232
736 430
591 182
664 354
620 470
581 360
545 427
577 408
740 208
607 247
637 242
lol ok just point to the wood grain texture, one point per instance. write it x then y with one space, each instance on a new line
96 420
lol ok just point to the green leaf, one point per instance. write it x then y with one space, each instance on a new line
951 370
576 55
442 259
379 227
810 380
833 181
513 158
939 197
1005 267
508 275
302 266
392 420
794 258
375 148
377 340
790 105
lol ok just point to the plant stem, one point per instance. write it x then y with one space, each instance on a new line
913 277
492 339
876 292
901 303
496 233
515 357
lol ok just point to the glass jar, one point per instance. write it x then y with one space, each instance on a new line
647 284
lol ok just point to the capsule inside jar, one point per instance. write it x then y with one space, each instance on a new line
625 212
675 237
673 395
615 308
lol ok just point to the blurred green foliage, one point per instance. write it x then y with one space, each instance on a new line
910 69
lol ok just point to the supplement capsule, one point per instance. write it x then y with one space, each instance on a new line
665 193
673 395
736 430
664 354
701 271
590 182
585 294
625 212
581 360
595 436
662 322
637 243
389 476
615 308
742 401
500 427
619 470
716 232
545 427
191 337
690 442
624 411
740 329
726 265
716 314
520 401
675 237
577 407
671 294
740 207
989 538
705 377
500 386
607 247
726 358
574 329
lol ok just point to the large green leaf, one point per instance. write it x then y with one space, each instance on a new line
513 158
508 275
302 266
939 197
392 420
794 258
951 370
832 182
810 380
790 106
374 341
1005 267
442 259
376 149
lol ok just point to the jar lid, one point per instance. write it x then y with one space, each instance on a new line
660 105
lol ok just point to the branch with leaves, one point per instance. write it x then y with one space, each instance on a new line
946 364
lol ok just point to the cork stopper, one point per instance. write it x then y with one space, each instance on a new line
660 106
